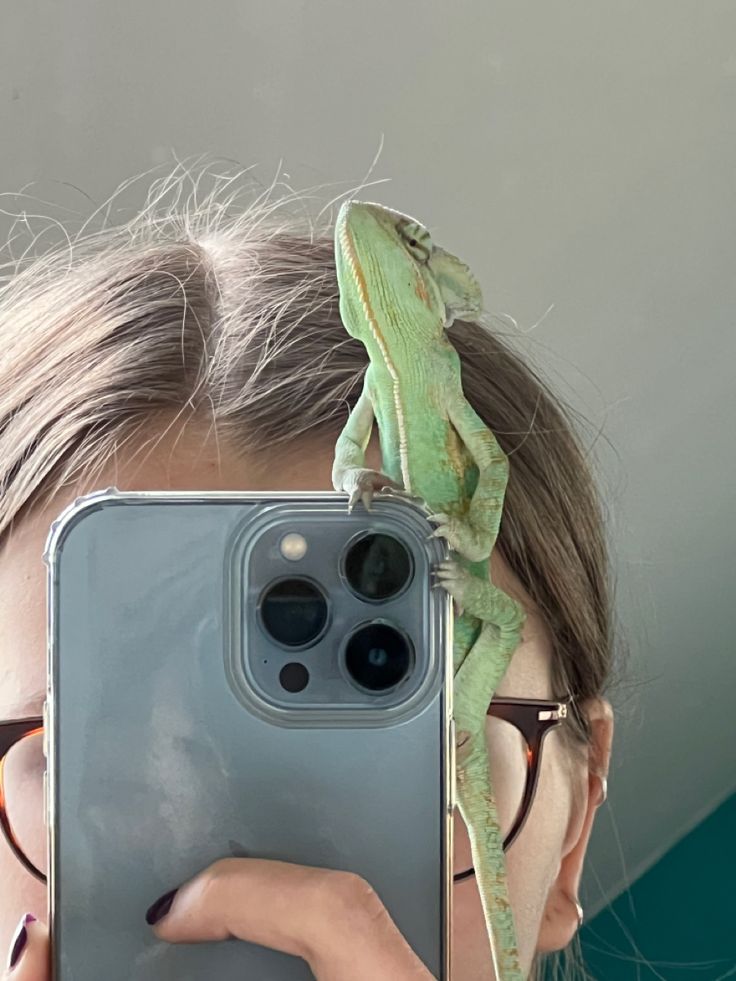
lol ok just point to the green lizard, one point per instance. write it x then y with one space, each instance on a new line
398 293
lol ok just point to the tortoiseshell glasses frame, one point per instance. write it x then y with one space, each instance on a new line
533 717
10 733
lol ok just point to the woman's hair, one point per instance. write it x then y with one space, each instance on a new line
232 314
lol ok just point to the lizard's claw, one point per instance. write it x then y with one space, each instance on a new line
474 544
450 575
440 517
362 484
391 491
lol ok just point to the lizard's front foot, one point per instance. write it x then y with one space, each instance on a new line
473 543
362 484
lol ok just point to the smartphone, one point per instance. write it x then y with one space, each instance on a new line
242 674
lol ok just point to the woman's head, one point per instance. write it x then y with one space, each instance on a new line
197 350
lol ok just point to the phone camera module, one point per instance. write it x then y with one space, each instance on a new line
377 567
293 611
378 656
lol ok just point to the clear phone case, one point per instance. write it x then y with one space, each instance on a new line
181 730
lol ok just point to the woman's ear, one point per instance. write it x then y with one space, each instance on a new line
561 916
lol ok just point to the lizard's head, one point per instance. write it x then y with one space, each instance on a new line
395 283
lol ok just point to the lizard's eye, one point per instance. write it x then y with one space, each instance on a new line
417 240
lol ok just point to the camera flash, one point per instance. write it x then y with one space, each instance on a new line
293 546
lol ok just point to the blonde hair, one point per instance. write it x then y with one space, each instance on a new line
234 312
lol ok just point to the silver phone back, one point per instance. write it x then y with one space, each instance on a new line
162 759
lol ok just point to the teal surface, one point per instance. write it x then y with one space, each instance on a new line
676 921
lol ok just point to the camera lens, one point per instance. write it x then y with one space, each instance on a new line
378 566
293 611
378 656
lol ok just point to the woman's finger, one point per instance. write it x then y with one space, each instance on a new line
28 957
332 919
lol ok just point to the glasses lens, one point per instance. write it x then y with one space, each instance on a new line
508 757
22 790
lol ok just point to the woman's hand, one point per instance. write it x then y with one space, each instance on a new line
334 920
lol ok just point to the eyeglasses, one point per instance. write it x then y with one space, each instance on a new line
22 805
516 729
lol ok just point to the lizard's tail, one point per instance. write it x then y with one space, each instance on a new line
476 679
478 809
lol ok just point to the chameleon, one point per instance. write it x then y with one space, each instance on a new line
398 294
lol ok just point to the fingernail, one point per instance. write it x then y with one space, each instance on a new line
161 907
20 940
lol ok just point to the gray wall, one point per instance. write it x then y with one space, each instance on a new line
580 156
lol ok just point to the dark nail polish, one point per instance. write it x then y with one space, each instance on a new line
20 940
160 908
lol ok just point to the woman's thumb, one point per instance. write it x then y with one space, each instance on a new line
28 957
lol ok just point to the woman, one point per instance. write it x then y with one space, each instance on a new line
194 351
